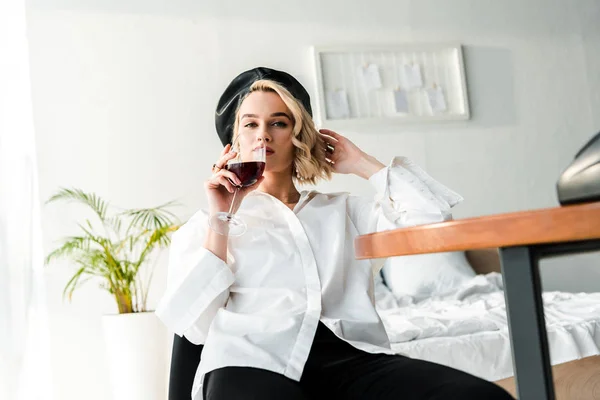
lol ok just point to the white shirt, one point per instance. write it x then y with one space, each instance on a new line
290 270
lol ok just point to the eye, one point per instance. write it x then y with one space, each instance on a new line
280 124
250 125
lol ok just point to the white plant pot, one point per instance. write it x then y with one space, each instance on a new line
136 358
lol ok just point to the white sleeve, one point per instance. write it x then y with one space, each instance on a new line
405 196
197 284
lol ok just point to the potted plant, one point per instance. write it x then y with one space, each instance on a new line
114 249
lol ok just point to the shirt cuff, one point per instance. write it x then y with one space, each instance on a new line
379 180
407 186
185 302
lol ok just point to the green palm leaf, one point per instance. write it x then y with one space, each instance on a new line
91 200
71 246
74 283
111 257
151 218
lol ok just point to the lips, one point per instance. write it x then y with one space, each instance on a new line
268 151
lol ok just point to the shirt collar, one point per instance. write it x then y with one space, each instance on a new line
304 195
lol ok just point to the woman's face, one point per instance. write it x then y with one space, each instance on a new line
265 119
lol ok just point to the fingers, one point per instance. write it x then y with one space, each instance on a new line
221 181
233 177
225 150
329 132
222 162
334 135
221 176
224 178
329 139
332 139
330 144
226 183
216 183
329 148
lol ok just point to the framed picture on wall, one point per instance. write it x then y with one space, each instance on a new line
389 84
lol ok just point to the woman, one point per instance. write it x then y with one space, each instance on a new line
285 310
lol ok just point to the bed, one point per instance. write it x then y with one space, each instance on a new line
458 319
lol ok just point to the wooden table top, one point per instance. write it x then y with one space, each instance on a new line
549 225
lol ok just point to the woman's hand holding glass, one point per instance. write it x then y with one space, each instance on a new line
234 176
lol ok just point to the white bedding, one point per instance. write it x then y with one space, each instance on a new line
467 328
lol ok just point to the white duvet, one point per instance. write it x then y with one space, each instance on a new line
467 328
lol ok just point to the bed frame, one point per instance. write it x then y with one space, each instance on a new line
574 380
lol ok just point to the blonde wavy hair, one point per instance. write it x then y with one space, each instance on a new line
310 164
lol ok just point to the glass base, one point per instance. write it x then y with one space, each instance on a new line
227 224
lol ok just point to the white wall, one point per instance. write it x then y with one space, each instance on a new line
124 94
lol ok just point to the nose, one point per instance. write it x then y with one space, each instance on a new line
263 136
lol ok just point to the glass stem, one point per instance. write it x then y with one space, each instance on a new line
233 201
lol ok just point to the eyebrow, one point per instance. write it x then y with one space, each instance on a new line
277 114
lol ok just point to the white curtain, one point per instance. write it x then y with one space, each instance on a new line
24 339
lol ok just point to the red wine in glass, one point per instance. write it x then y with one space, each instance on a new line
248 166
248 172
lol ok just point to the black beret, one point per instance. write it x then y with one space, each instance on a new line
239 88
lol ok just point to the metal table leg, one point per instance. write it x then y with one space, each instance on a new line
526 324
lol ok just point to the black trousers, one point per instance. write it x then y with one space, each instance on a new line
334 370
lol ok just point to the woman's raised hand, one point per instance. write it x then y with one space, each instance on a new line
219 187
348 158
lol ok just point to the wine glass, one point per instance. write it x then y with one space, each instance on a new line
249 167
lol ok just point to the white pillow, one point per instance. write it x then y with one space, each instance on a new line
426 275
